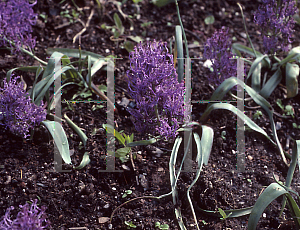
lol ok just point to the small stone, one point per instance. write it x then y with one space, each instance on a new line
125 167
160 169
102 220
250 158
158 152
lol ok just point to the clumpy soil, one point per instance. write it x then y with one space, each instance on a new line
86 198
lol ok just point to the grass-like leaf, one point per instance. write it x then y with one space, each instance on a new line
272 192
179 51
291 73
80 133
60 139
75 53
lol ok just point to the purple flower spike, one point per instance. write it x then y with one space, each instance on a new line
276 23
218 50
152 83
17 112
29 218
16 20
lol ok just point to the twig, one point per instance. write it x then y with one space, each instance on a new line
86 25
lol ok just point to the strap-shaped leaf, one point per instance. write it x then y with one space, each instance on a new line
75 53
291 73
271 84
143 142
161 3
291 171
233 109
57 97
272 192
80 133
223 89
84 162
293 55
60 139
179 48
255 71
173 179
206 142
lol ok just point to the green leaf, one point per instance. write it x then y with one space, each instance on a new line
118 23
122 152
136 39
272 192
225 87
237 47
255 71
206 143
233 109
222 213
271 84
209 20
292 73
57 97
75 53
293 55
143 142
279 103
80 133
128 45
164 227
52 69
111 130
179 53
84 162
161 3
60 139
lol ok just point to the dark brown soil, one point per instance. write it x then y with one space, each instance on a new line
82 198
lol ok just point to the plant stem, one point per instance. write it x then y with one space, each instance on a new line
27 52
247 30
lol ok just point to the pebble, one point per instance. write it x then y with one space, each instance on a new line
250 158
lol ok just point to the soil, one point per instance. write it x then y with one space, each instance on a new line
86 197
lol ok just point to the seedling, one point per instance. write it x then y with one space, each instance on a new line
224 216
257 115
129 224
122 153
223 135
296 126
72 16
161 226
126 193
288 109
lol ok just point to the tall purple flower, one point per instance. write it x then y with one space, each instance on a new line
29 218
16 20
275 18
152 83
218 50
17 112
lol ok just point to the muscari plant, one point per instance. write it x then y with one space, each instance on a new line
16 20
276 23
30 217
17 112
143 68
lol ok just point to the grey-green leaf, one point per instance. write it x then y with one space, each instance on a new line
209 20
292 73
60 139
